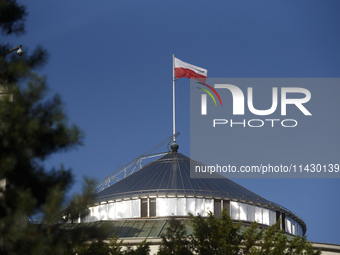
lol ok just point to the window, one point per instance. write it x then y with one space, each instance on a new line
200 208
112 211
191 205
144 207
243 211
250 213
209 206
226 205
135 204
235 210
152 207
217 208
181 208
258 214
265 213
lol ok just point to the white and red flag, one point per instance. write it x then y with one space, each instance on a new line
183 69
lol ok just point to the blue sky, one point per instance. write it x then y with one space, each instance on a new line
112 63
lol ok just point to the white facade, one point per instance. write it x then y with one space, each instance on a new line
182 206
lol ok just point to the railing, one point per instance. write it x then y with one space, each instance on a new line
129 168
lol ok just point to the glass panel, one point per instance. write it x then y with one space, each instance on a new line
181 207
92 224
226 206
112 211
293 229
250 213
164 229
172 204
101 224
83 219
135 208
265 216
278 217
188 227
146 229
190 205
235 210
144 207
283 221
289 225
156 228
127 209
85 214
125 228
200 208
89 216
152 207
243 211
136 228
217 208
272 217
162 207
258 214
118 226
96 213
119 210
103 212
209 206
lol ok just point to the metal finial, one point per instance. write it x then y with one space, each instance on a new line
174 146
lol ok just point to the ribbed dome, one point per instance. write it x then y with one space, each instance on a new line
169 176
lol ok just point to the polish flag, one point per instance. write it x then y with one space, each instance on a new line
183 69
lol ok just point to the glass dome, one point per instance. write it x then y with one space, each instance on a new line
163 188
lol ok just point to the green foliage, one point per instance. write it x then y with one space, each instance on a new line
143 248
33 126
274 241
99 248
11 17
109 247
213 236
175 240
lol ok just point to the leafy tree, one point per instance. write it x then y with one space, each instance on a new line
175 240
275 241
216 236
222 236
32 127
12 17
98 247
143 248
111 247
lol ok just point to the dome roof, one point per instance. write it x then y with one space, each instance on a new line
170 176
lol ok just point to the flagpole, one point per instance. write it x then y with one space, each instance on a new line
173 97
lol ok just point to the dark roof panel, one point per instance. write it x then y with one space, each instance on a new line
170 175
